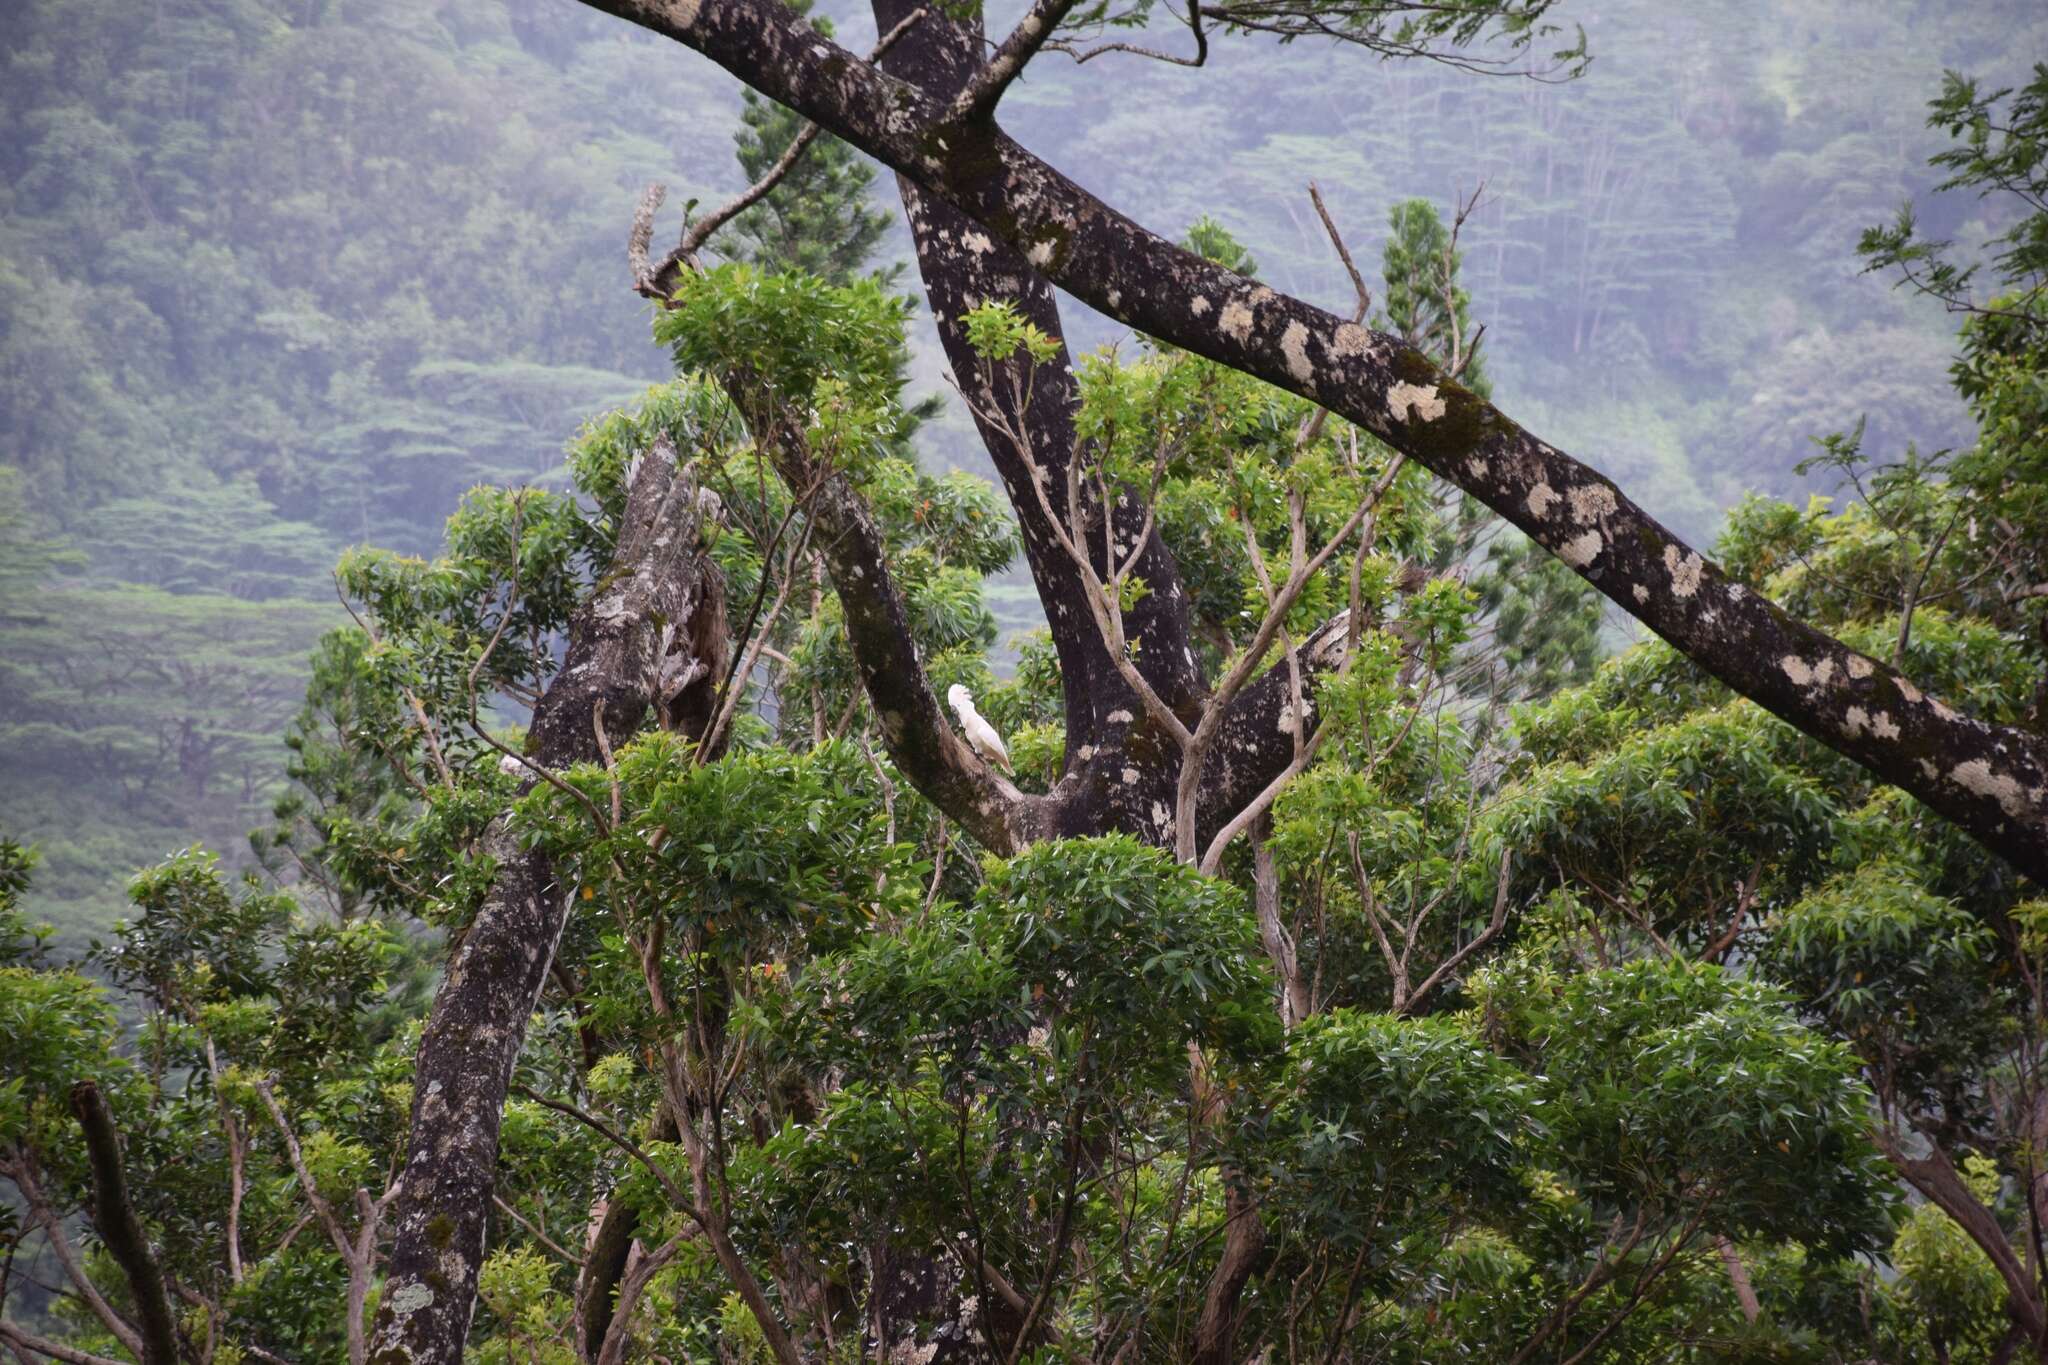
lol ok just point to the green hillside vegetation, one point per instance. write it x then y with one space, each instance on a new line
280 278
1559 1009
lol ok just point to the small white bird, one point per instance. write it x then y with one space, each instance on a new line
980 734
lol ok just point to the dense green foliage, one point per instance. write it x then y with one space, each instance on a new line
1611 1026
278 278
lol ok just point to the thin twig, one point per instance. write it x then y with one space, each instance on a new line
647 278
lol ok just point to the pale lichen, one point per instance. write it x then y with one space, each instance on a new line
1685 570
1591 501
1236 320
1414 402
409 1299
1294 346
1978 776
1540 500
1582 550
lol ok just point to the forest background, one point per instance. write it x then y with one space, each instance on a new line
282 276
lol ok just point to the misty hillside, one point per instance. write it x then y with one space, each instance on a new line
282 276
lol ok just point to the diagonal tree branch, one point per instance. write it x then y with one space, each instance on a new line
1991 781
978 100
916 732
20 1339
113 1217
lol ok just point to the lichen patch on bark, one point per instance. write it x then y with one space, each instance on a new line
1592 501
1294 346
1978 776
1415 402
1582 550
1685 570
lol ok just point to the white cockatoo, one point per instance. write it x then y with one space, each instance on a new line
980 734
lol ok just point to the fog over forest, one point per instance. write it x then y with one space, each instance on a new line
282 276
1460 773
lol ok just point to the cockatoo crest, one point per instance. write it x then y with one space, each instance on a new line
980 734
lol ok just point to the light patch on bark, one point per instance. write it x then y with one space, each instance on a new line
1804 674
1119 717
1130 777
1685 570
1582 550
1591 501
1908 691
1294 345
410 1298
684 12
1351 340
1414 402
1161 816
978 243
1040 254
1199 306
1977 776
1539 500
1236 320
1860 667
1642 593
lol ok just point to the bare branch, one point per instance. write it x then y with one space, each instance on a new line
21 1339
682 1202
978 101
1479 940
656 281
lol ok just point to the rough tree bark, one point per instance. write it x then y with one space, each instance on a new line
621 661
1989 780
113 1217
1937 1179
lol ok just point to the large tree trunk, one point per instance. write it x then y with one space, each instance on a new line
1991 781
615 669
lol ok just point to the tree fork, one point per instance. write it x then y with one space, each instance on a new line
1991 781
